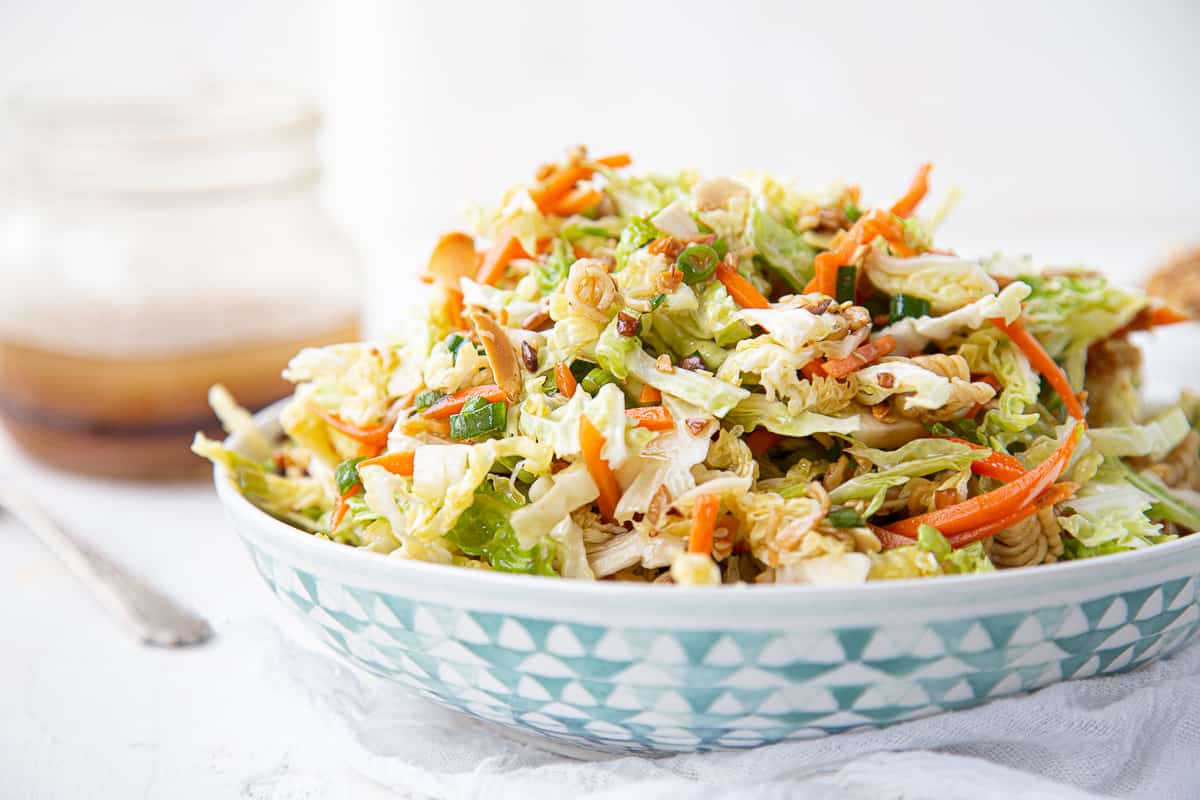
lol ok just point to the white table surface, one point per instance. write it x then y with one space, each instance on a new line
87 712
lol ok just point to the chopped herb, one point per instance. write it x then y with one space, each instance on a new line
592 382
346 474
657 301
697 263
852 212
478 418
454 341
580 368
844 517
906 305
550 273
426 399
847 281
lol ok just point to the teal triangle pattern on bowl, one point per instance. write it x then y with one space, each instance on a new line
635 685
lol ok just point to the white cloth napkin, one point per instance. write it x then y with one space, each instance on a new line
1132 735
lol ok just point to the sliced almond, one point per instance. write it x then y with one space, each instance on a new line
453 258
501 355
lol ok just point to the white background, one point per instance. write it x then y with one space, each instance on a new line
1071 127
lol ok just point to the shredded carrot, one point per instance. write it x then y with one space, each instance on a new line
906 205
498 257
425 277
1042 363
592 443
369 450
812 369
865 354
1152 317
873 224
762 440
453 403
990 380
1164 315
554 189
704 519
455 308
650 395
558 184
616 160
877 224
564 178
396 463
341 507
565 380
998 503
577 201
376 437
1055 494
741 290
998 465
652 418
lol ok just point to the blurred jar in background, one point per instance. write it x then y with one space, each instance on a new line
150 248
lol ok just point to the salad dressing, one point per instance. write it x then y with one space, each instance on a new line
149 248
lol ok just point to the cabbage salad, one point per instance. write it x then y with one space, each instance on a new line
677 379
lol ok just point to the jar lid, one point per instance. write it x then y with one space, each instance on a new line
202 138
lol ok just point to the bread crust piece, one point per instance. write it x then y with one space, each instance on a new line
1178 281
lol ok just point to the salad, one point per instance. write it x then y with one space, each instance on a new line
677 379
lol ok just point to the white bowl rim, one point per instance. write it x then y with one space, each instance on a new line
1047 577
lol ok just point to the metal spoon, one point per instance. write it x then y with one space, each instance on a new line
153 618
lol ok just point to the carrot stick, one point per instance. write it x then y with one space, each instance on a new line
762 440
453 403
1055 494
615 161
592 443
650 395
498 257
812 369
876 348
704 519
998 503
375 437
873 224
652 418
1042 362
563 179
998 465
559 183
565 380
741 290
396 463
577 201
906 205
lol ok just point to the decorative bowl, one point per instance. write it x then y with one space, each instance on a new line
656 669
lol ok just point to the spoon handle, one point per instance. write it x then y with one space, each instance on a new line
152 617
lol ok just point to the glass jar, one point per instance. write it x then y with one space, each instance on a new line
148 249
